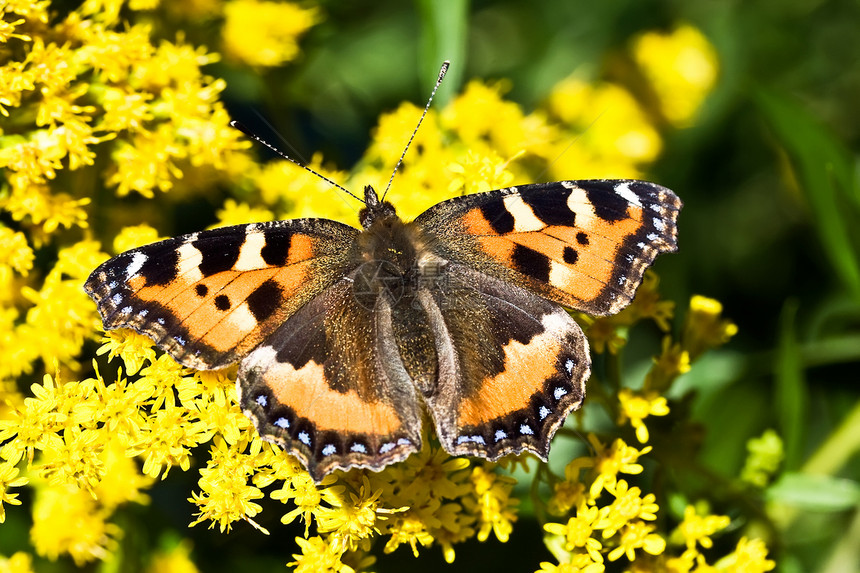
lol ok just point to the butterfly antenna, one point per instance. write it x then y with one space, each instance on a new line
442 71
235 124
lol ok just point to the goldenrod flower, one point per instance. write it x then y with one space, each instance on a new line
765 454
635 407
628 505
638 535
68 520
277 27
494 506
696 529
682 67
750 556
609 462
408 528
20 562
580 563
9 479
705 328
578 531
318 556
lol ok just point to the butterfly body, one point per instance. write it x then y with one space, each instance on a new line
347 339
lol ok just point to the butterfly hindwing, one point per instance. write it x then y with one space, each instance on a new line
326 386
512 365
210 297
583 244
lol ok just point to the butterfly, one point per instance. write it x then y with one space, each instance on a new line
347 339
344 337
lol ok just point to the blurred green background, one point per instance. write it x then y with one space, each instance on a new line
768 174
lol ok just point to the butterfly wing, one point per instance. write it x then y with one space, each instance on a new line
329 387
210 297
512 365
583 244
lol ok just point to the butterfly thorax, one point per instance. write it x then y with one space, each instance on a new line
391 252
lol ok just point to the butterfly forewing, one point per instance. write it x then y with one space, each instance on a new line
583 244
209 298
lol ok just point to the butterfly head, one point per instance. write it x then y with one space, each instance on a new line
374 209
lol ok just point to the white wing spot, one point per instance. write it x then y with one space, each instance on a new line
559 392
356 447
116 299
137 261
568 365
543 412
387 447
625 191
305 438
179 340
143 313
622 279
526 430
125 310
282 423
328 450
652 236
262 400
500 435
659 224
404 442
160 321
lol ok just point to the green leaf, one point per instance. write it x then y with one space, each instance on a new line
815 492
791 395
826 176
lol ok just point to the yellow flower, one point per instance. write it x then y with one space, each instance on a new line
68 520
352 517
627 506
750 556
318 556
637 407
20 562
698 529
304 493
682 67
609 462
638 535
9 479
495 508
704 327
410 529
235 213
134 236
36 426
134 349
580 563
277 28
614 135
176 559
226 495
764 456
578 532
569 492
15 253
673 361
